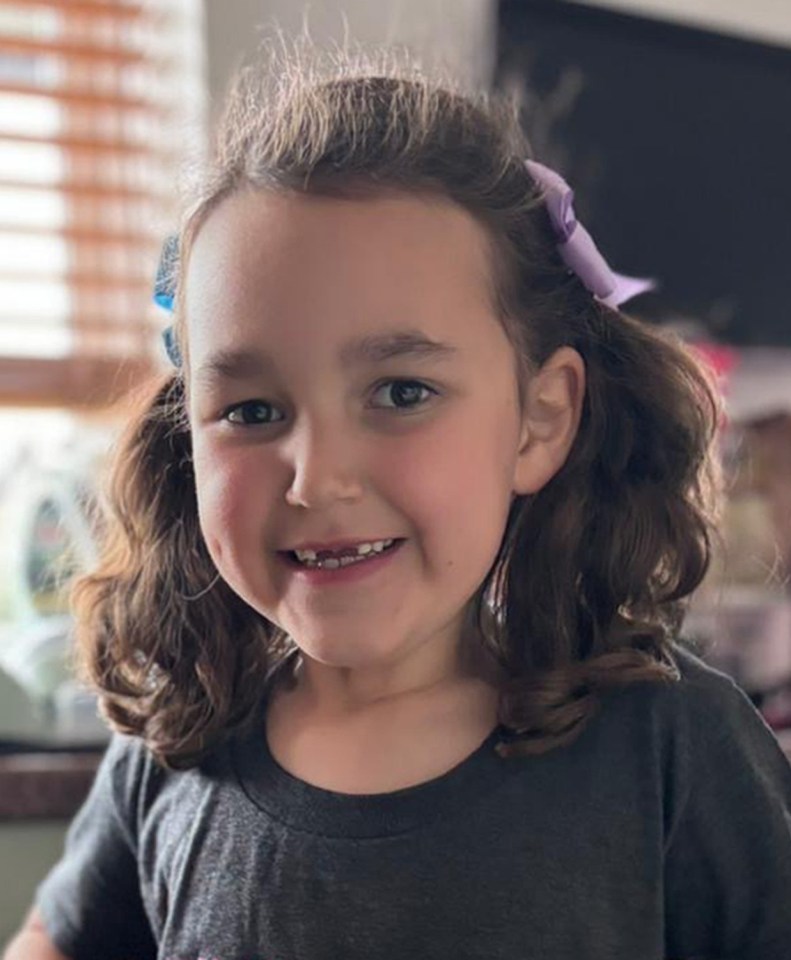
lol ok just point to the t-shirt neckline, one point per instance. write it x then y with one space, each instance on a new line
314 809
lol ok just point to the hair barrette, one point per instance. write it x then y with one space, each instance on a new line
576 246
165 292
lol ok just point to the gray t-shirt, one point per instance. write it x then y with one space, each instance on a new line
663 831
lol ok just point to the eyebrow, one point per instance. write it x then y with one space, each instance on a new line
373 348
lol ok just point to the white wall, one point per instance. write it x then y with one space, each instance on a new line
460 33
765 20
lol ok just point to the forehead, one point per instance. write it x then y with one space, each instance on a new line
287 265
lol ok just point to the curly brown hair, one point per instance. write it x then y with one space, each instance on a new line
623 531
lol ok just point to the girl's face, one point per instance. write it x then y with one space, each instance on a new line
300 435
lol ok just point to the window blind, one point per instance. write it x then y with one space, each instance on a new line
98 101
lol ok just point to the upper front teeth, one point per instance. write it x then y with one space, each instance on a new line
361 548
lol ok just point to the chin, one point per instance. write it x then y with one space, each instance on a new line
346 656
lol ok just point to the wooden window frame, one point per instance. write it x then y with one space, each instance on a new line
111 319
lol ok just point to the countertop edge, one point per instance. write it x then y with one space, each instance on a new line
45 785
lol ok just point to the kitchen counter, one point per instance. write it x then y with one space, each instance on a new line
45 785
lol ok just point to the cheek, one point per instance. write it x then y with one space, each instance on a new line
455 478
225 498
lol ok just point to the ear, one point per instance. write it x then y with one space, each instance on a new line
551 416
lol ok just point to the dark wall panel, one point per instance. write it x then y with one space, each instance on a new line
678 143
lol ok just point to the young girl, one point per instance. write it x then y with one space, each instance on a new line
387 619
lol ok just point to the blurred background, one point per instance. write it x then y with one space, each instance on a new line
669 118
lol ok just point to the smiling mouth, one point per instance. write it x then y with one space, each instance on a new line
329 560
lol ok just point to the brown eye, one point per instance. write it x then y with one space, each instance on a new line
406 393
249 413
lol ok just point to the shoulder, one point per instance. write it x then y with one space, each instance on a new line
128 778
127 760
728 843
136 793
126 756
129 763
705 722
716 708
701 695
703 682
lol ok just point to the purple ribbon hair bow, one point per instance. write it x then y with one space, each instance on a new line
576 245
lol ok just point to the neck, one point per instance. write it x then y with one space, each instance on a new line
474 673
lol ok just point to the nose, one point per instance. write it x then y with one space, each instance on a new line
324 466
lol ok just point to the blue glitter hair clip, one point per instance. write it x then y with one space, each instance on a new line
165 292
